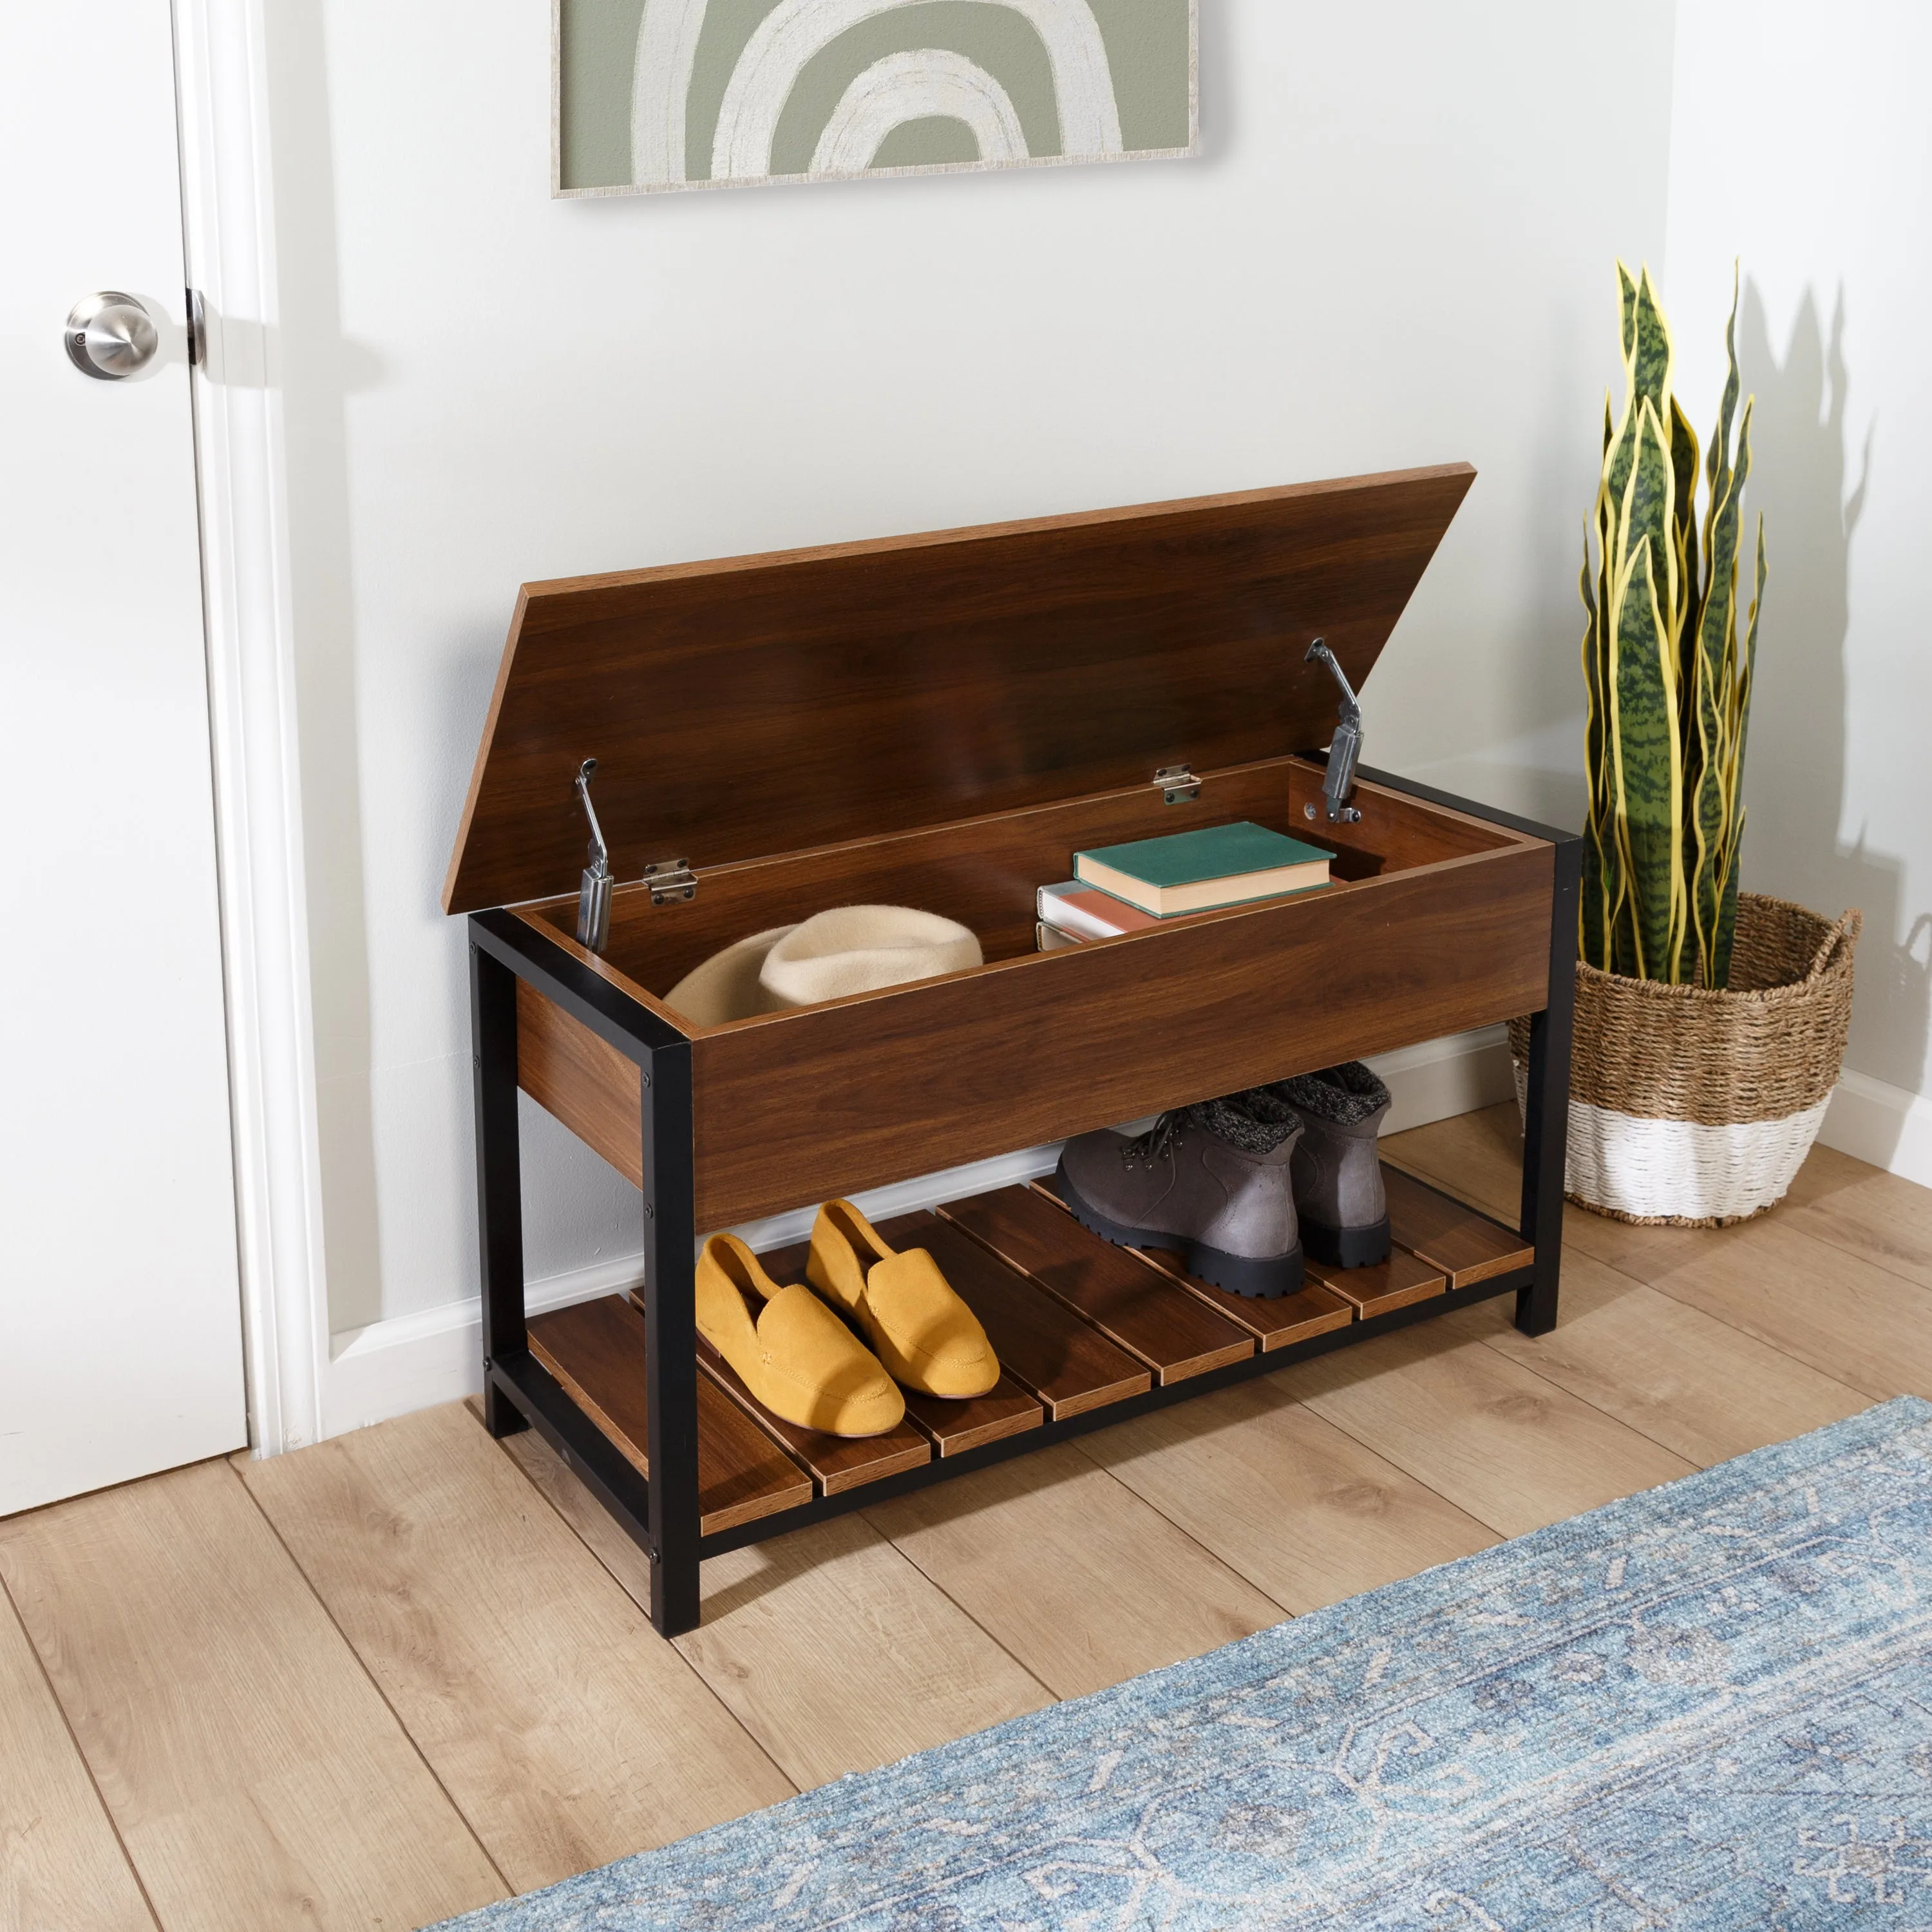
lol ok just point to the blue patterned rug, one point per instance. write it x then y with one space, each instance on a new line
1708 1709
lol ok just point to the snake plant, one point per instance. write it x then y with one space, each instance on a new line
1668 688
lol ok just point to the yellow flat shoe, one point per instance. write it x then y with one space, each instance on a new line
798 1359
927 1337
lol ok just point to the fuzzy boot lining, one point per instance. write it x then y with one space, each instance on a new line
1346 1095
1229 1120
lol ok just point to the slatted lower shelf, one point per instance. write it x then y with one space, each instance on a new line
1469 1247
1135 1307
596 1352
1078 1325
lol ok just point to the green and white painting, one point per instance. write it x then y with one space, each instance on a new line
652 94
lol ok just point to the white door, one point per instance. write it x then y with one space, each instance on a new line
120 1317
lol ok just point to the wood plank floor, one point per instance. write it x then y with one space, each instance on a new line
381 1681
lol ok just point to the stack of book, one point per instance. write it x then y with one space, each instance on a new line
1118 888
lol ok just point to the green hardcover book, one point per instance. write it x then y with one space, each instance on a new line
1195 871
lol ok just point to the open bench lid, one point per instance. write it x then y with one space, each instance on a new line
755 706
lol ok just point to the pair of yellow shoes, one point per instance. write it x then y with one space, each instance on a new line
804 1364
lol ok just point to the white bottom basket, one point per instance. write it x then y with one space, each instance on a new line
1648 1170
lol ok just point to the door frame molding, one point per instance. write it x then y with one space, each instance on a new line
242 467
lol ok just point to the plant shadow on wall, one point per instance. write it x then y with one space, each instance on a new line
1797 784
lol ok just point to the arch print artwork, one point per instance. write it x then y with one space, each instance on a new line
657 94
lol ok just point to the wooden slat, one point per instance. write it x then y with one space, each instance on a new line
1138 1307
1041 1343
835 1462
256 1775
584 1080
833 1651
61 1866
532 1685
1468 1246
1274 1321
596 1351
1076 1576
954 1427
1397 1282
1301 1508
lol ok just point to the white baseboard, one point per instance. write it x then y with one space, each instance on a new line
1443 1078
1873 1121
413 1361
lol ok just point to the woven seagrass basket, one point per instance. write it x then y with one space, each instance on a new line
1692 1109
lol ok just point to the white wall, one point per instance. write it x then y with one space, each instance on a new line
1396 251
1802 145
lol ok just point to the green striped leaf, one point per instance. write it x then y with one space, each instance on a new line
1727 911
1648 510
1644 736
1619 459
1711 782
1716 623
1650 360
1720 975
1621 452
1718 462
1684 520
1707 782
1593 904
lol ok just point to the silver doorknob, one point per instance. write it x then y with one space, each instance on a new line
110 336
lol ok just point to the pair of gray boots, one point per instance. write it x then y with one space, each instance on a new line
1242 1186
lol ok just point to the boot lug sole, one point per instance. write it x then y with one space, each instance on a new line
1264 1279
1347 1247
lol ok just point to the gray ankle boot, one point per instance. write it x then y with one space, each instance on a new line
1212 1181
1338 1178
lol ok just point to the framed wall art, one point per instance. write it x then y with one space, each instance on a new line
649 95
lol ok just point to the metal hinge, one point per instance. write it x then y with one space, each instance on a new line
670 879
1345 749
1178 785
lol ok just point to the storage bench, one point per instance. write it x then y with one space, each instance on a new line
942 722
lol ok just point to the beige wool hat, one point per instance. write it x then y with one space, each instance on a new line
848 950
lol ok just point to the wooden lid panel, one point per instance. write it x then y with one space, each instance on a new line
757 706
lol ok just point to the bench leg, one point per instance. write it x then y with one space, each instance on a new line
671 1338
499 1198
1547 1108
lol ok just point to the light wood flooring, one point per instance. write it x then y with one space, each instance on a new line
383 1680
